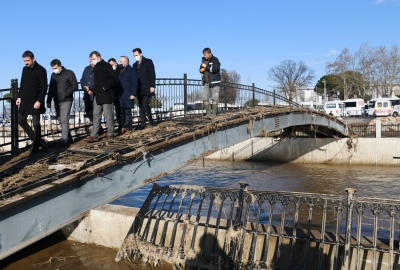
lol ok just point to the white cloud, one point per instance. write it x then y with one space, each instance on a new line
379 1
314 63
332 52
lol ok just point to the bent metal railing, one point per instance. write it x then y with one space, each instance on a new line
179 97
228 228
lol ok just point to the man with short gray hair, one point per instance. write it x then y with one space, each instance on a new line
127 92
103 100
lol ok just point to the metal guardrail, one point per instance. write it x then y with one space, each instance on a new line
369 130
350 225
175 98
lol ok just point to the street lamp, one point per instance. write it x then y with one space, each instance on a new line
324 97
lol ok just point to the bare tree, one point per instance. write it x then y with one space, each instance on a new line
229 92
367 69
363 63
339 67
387 69
290 76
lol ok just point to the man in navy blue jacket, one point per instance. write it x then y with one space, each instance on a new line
127 92
210 68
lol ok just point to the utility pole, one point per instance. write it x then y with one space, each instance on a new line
324 81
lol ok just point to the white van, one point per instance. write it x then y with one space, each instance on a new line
354 107
395 104
383 107
336 108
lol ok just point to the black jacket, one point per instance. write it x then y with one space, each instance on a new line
213 67
104 80
33 88
147 76
62 86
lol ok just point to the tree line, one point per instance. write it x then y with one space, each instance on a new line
367 71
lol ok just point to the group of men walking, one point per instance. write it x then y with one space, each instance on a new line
106 86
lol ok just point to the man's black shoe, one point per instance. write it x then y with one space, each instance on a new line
140 127
62 144
34 152
101 131
44 144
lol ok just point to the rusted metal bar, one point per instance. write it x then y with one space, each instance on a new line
221 199
150 215
376 210
247 200
187 220
337 234
166 220
284 202
206 224
252 254
140 215
272 201
322 238
233 198
196 223
349 219
310 204
159 216
392 210
297 203
360 211
238 218
172 242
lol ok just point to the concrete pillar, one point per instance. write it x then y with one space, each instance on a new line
378 128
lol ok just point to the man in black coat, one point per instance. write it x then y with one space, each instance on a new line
62 86
30 100
103 96
117 70
146 86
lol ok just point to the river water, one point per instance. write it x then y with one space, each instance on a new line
370 181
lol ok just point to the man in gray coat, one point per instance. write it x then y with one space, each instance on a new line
62 86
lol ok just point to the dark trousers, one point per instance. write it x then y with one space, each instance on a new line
119 112
36 134
89 109
126 118
144 105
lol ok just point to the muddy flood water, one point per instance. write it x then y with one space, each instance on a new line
370 181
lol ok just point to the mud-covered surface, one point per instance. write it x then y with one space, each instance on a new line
53 252
19 173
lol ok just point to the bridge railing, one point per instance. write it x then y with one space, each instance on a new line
311 230
174 98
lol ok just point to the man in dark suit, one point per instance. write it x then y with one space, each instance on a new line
117 70
30 100
103 100
146 86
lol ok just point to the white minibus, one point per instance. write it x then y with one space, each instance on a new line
371 104
336 108
354 107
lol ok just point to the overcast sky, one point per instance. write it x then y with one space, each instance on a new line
247 36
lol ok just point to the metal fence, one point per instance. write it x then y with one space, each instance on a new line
175 98
366 130
348 231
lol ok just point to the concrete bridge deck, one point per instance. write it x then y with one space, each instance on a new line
44 193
